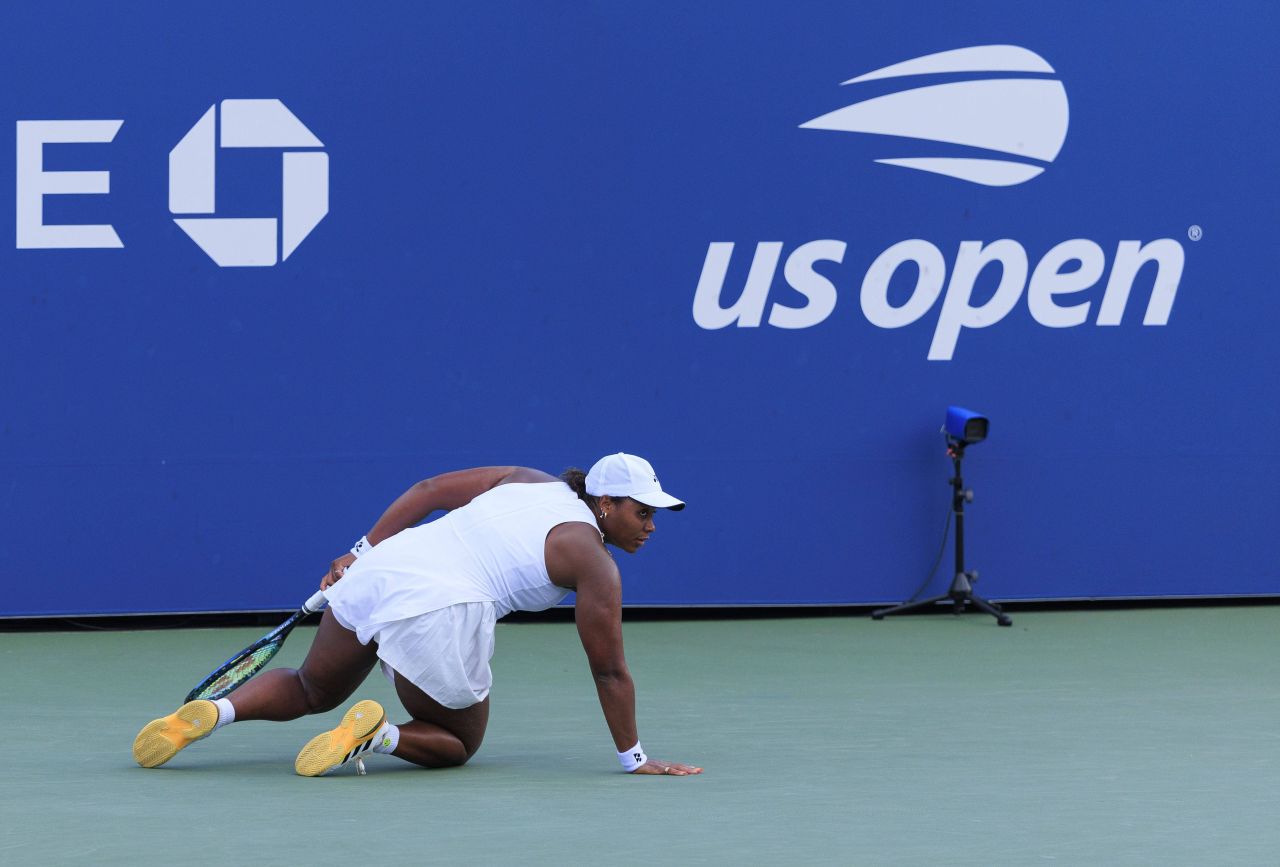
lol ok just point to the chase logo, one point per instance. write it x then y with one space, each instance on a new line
1021 121
249 123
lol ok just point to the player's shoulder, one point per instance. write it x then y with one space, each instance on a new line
574 552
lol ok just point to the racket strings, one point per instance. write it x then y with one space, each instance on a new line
238 673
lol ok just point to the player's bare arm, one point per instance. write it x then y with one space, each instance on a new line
581 563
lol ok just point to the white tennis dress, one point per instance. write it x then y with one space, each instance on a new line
430 595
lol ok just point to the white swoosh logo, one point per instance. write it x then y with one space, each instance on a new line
1025 118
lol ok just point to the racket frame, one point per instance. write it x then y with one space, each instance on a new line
275 637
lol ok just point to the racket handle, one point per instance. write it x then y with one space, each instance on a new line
316 603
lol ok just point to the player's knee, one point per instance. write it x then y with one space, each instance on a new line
470 749
319 700
453 753
455 758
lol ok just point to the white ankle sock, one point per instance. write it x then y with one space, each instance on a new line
387 739
226 713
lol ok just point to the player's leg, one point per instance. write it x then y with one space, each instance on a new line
438 736
335 666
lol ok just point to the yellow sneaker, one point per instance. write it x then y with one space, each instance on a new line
161 739
332 749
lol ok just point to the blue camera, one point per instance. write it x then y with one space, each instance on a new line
965 425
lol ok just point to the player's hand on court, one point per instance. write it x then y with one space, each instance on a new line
336 570
675 769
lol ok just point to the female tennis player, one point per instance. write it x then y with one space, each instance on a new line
424 599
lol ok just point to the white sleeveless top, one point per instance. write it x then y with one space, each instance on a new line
490 550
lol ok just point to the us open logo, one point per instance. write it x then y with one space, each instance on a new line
997 130
1022 119
248 241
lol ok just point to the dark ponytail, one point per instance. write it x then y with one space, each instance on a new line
577 480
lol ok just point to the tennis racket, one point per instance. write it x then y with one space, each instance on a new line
255 657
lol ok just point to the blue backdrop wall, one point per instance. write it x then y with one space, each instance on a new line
399 239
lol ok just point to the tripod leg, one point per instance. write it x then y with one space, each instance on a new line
908 606
991 608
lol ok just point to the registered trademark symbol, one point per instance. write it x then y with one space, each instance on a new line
1195 233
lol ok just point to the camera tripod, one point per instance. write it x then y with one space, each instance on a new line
961 591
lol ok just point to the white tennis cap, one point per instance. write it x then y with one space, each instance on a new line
624 475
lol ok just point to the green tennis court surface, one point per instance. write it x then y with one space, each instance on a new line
1096 737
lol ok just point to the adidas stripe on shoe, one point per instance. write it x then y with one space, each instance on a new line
334 748
161 739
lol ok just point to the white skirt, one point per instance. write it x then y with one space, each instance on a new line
445 653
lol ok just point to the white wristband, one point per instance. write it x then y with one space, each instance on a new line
633 758
361 547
